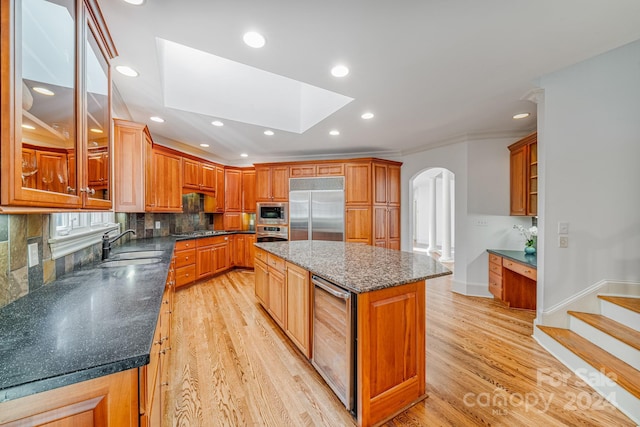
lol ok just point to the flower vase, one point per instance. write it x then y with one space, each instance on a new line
530 250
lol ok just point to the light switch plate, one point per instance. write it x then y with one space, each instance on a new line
563 228
33 255
157 225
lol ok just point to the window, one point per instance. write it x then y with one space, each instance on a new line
71 231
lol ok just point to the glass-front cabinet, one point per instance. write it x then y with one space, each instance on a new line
56 88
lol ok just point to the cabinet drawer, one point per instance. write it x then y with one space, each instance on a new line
521 269
275 262
261 255
495 285
184 244
187 257
495 269
335 169
496 259
185 275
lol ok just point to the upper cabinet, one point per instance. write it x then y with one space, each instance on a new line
524 176
248 190
198 176
233 190
272 183
55 100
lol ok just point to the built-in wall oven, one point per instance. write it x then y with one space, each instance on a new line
272 213
272 233
334 338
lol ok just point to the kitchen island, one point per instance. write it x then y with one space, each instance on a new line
388 314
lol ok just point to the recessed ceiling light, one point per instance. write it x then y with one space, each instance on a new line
268 132
367 116
95 130
244 155
204 145
334 132
43 91
217 123
254 39
157 119
135 2
26 126
521 116
127 71
339 71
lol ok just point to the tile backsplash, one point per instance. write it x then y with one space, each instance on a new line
17 232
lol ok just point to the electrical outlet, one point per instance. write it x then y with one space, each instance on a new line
157 225
33 254
563 241
563 228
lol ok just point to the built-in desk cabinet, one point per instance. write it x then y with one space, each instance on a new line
512 282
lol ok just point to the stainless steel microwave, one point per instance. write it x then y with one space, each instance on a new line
273 213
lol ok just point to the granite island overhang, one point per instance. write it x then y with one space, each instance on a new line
389 315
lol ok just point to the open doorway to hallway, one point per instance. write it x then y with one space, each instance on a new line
434 214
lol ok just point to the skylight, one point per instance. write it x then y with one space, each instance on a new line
207 84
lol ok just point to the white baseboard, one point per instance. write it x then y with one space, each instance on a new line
471 289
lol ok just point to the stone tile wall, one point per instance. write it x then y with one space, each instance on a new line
18 231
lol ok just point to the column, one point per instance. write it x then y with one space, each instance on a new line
432 215
446 216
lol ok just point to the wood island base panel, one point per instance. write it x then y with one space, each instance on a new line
390 318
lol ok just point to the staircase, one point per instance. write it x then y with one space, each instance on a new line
603 349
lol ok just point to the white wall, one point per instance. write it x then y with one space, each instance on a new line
481 169
589 146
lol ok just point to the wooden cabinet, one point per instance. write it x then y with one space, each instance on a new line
221 261
185 255
154 377
524 176
220 186
495 275
272 183
302 171
372 199
358 224
262 281
212 256
73 118
298 307
233 190
237 249
132 150
512 282
111 401
390 351
232 221
198 176
147 178
166 190
357 178
277 292
249 250
307 170
270 285
248 190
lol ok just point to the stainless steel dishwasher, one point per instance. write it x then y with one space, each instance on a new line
334 338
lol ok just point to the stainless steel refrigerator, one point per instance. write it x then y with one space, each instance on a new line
316 208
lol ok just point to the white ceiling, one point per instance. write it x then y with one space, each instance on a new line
432 71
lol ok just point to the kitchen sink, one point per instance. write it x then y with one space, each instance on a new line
136 255
125 262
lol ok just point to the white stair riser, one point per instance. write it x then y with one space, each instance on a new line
620 314
616 395
622 351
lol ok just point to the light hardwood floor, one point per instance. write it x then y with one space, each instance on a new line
232 366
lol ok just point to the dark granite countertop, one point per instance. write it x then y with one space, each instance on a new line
208 233
355 266
517 256
89 323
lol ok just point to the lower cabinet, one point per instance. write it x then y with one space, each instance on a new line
284 290
298 307
185 254
512 282
154 377
111 400
130 398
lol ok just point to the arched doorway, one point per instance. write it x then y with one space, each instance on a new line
433 213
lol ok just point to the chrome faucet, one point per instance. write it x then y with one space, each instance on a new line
106 242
